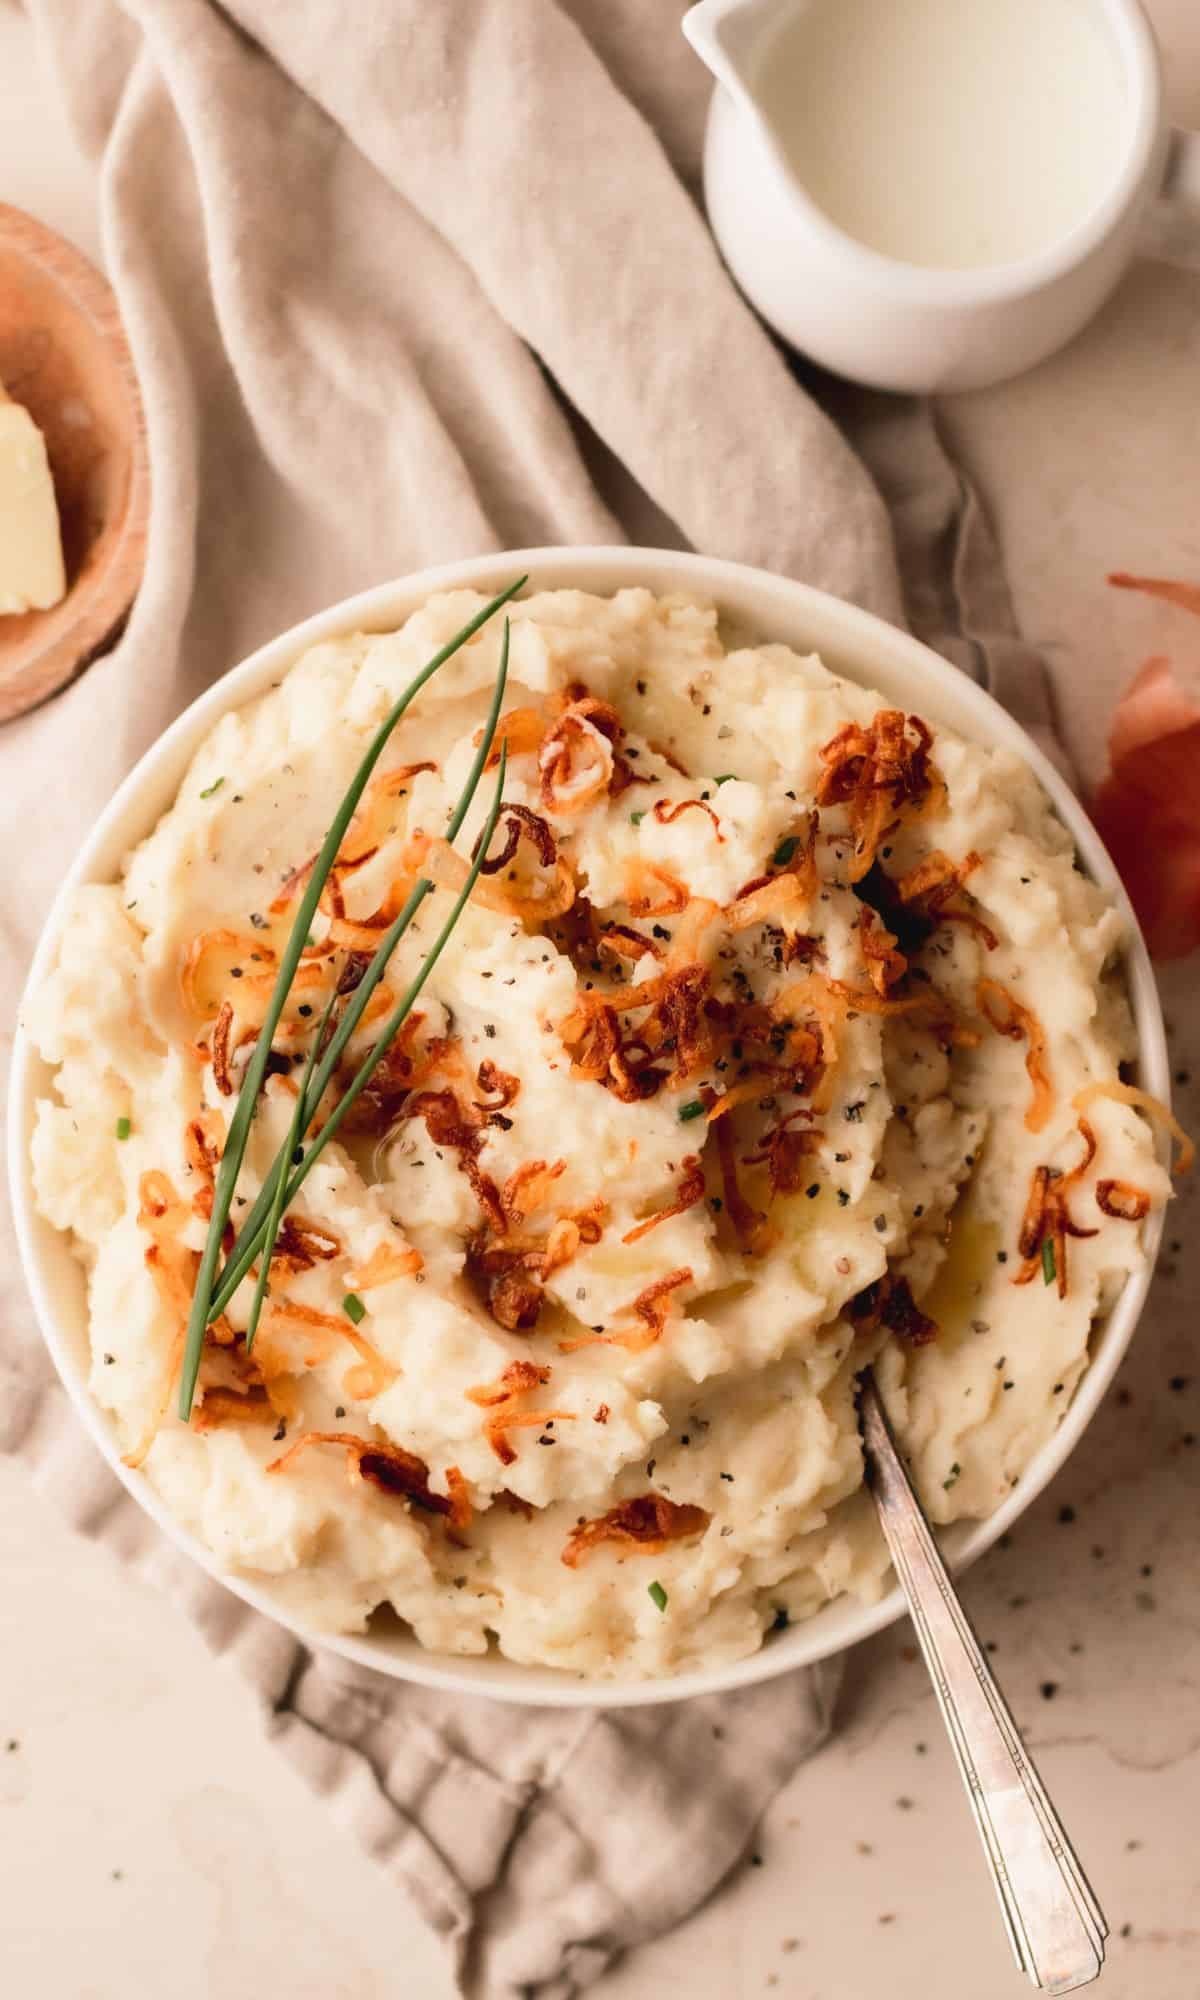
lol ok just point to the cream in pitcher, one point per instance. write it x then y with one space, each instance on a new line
935 194
947 132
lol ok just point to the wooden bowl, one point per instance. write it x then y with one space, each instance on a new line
63 353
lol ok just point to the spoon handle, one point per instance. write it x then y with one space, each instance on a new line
1055 1924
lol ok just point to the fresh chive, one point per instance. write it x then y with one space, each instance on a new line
369 981
124 1128
785 850
354 1308
214 787
238 1263
723 777
658 1594
955 1470
239 1127
296 1129
692 1110
1049 1273
635 819
311 1093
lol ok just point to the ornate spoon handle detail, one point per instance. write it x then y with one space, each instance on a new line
1055 1924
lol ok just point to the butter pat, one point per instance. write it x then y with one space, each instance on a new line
32 577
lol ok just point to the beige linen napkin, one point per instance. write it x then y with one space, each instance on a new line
405 282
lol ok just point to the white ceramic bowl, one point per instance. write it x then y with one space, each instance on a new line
853 643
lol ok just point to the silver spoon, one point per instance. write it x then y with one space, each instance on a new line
1056 1926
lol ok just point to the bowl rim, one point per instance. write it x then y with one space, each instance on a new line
883 652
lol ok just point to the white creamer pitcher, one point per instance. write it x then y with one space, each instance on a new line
930 195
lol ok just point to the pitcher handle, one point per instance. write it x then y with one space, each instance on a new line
1171 229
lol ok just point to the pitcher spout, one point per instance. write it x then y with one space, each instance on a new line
726 35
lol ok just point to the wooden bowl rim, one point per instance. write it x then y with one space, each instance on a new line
107 596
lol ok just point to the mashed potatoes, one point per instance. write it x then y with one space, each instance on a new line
756 1058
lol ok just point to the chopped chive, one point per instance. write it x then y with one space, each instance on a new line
214 787
252 1082
955 1469
635 819
242 1255
244 1252
354 1308
124 1128
723 777
784 852
692 1110
251 1226
1049 1272
658 1594
292 1149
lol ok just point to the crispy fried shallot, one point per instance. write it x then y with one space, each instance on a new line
499 1086
576 759
878 773
362 839
675 1026
392 1470
1047 1219
510 1264
652 1306
689 1192
522 729
457 1129
783 894
299 1245
511 1289
889 1302
752 1229
528 1186
202 1145
539 899
386 1263
404 1067
232 1406
500 1399
787 1153
624 942
646 1524
591 1034
203 1142
1005 1013
520 823
666 813
585 1225
651 891
220 1049
1154 1108
769 899
885 965
236 957
933 881
373 1374
1122 1199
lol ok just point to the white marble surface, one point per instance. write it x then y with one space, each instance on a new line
151 1840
